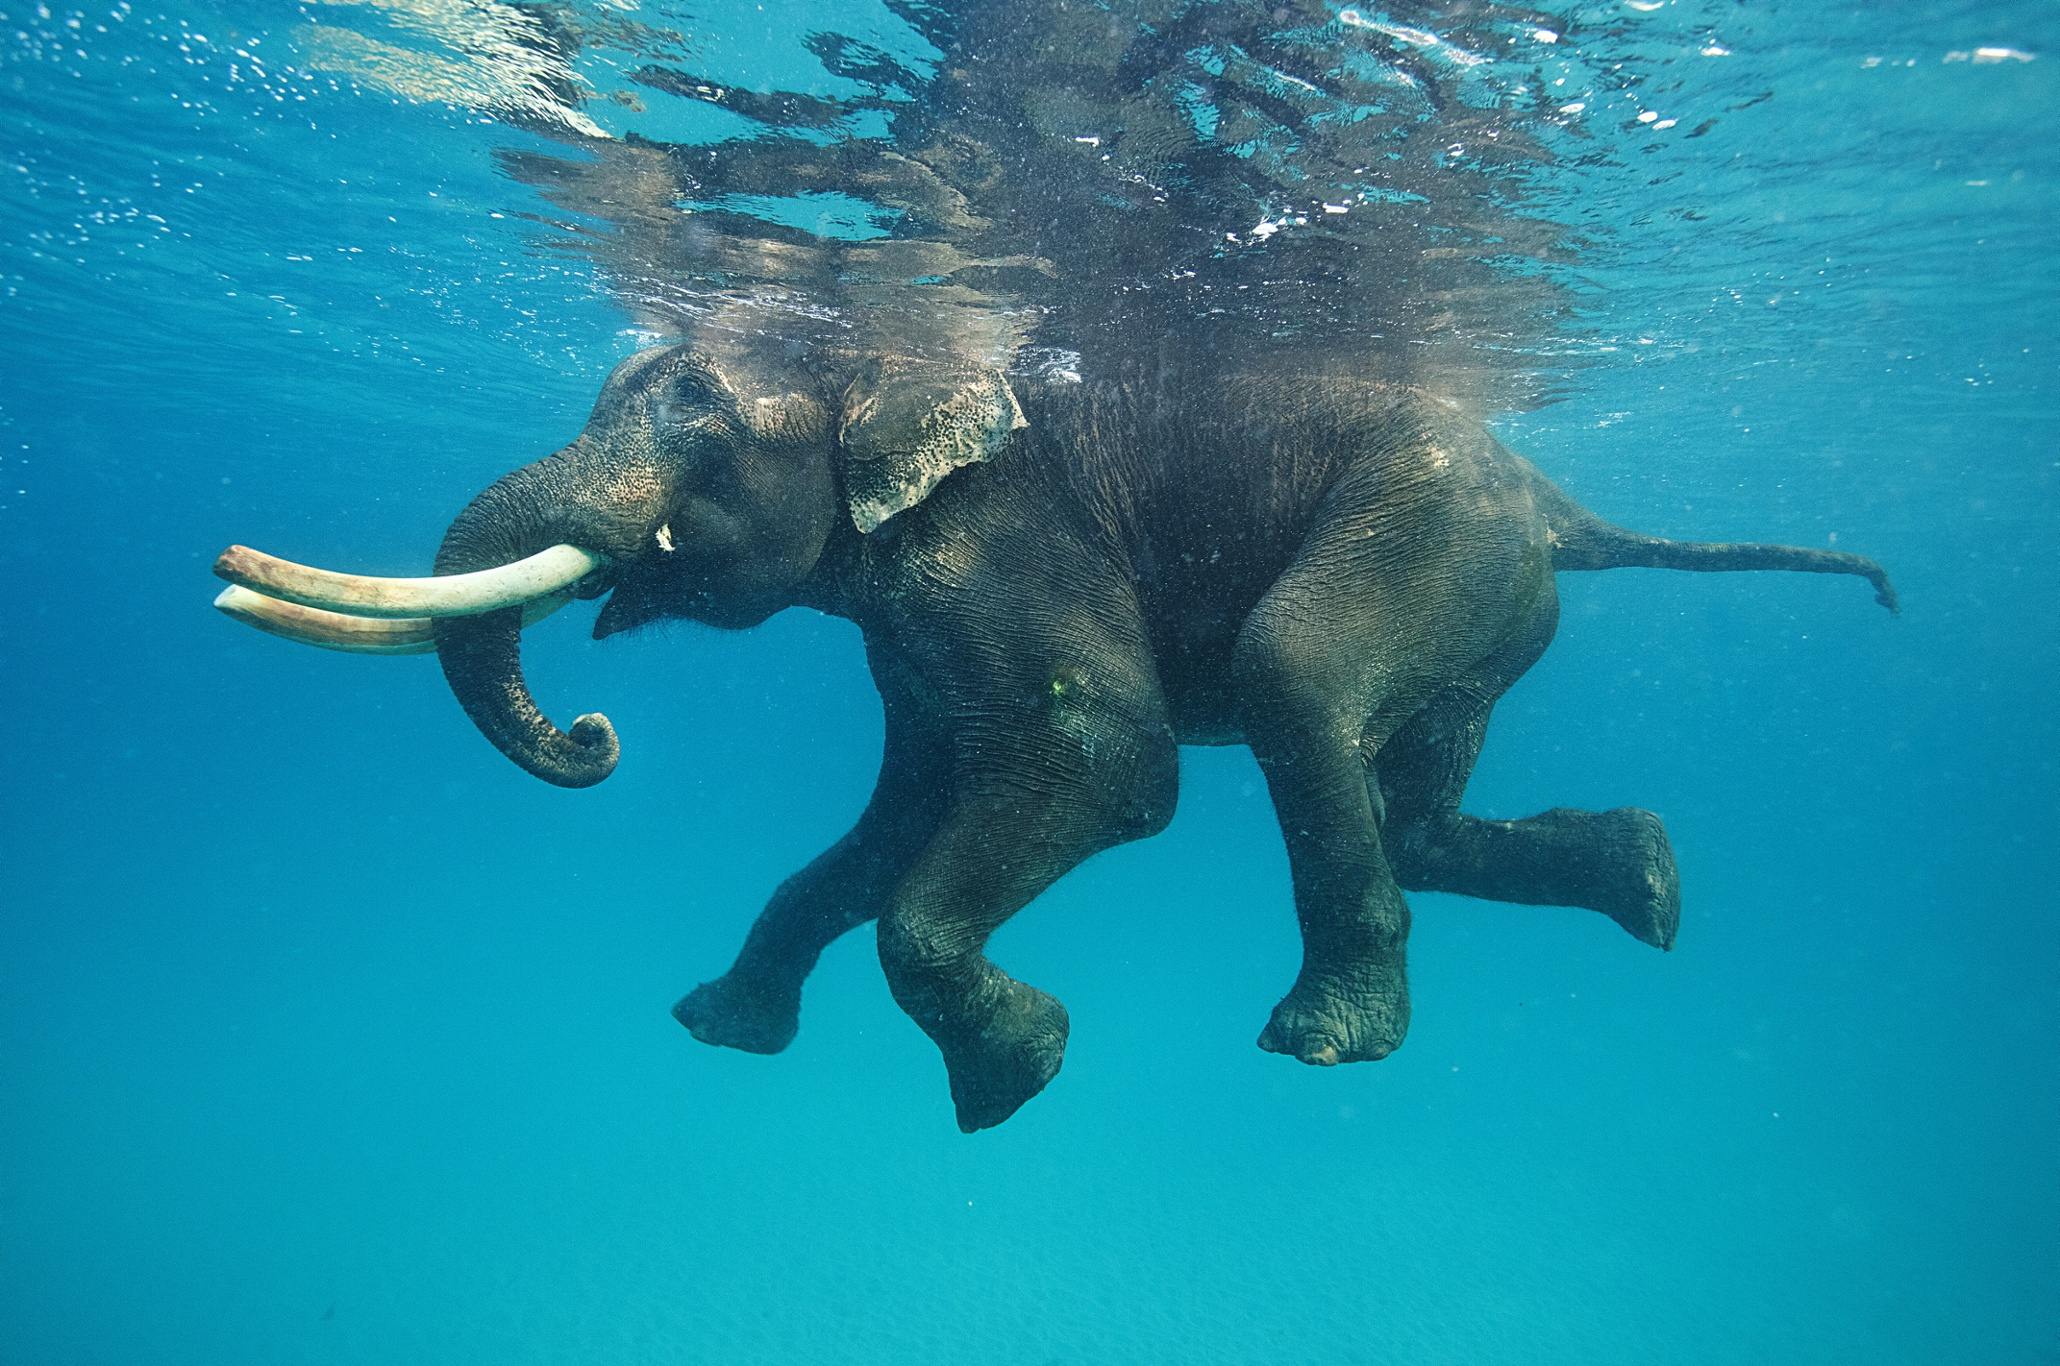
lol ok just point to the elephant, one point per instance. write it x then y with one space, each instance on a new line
1060 581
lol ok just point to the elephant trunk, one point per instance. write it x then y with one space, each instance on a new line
551 502
482 658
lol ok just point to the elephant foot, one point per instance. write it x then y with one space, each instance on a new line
1009 1057
1326 1021
1642 892
757 1017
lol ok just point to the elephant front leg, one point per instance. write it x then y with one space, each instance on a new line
756 1005
1003 1040
1035 675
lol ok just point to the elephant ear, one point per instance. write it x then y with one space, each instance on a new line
908 423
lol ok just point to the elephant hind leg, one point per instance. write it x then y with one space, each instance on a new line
1616 862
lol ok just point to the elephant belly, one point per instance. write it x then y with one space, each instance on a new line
1197 581
1193 644
1201 703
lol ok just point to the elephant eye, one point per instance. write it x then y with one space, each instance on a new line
670 413
687 398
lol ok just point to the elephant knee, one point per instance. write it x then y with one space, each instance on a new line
1275 661
1290 680
1113 784
915 945
935 969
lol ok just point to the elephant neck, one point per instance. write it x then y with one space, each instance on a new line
840 583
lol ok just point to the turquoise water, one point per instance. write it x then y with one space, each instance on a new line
328 1036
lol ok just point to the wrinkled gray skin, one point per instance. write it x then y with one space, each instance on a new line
1342 575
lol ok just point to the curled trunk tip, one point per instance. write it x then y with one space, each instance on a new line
594 738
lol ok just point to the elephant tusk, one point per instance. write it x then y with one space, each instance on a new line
452 595
354 635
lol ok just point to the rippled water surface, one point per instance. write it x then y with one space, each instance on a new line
326 1035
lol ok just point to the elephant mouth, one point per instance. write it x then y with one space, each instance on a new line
366 614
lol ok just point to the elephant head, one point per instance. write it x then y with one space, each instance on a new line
704 486
709 489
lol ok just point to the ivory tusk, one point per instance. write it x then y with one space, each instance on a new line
451 595
354 635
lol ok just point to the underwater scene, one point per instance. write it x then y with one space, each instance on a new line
1097 459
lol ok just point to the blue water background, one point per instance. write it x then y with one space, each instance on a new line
328 1036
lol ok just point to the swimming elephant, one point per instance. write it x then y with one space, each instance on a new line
1058 583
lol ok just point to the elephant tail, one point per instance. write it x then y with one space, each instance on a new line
1581 540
